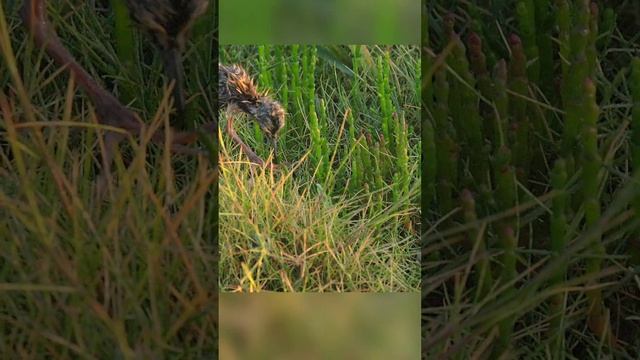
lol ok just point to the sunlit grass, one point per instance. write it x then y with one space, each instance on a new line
341 213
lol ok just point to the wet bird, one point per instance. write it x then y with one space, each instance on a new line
237 92
168 22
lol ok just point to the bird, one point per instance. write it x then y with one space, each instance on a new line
238 92
168 23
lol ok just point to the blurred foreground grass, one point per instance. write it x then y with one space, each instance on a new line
131 272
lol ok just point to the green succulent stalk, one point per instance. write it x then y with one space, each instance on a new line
508 242
591 155
563 21
579 70
365 156
386 110
478 62
559 226
385 162
446 147
608 89
544 25
125 43
319 145
282 74
377 156
392 114
504 174
559 230
608 25
635 96
310 75
581 31
356 170
324 119
592 162
482 270
475 16
506 192
402 175
265 73
316 141
296 82
521 125
309 60
429 164
464 105
501 103
418 81
356 64
324 145
592 50
526 13
505 178
426 63
635 148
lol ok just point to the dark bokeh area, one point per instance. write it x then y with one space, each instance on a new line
531 173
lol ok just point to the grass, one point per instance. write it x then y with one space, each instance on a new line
531 221
341 214
127 273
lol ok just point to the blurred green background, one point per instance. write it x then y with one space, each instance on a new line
275 22
319 326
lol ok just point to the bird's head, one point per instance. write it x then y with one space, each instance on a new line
270 115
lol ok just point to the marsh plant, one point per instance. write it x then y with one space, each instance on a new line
531 179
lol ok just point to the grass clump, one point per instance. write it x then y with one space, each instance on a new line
341 214
531 240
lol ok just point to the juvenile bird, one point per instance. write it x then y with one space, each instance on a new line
169 22
237 92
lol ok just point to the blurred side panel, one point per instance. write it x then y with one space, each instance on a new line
319 326
319 22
